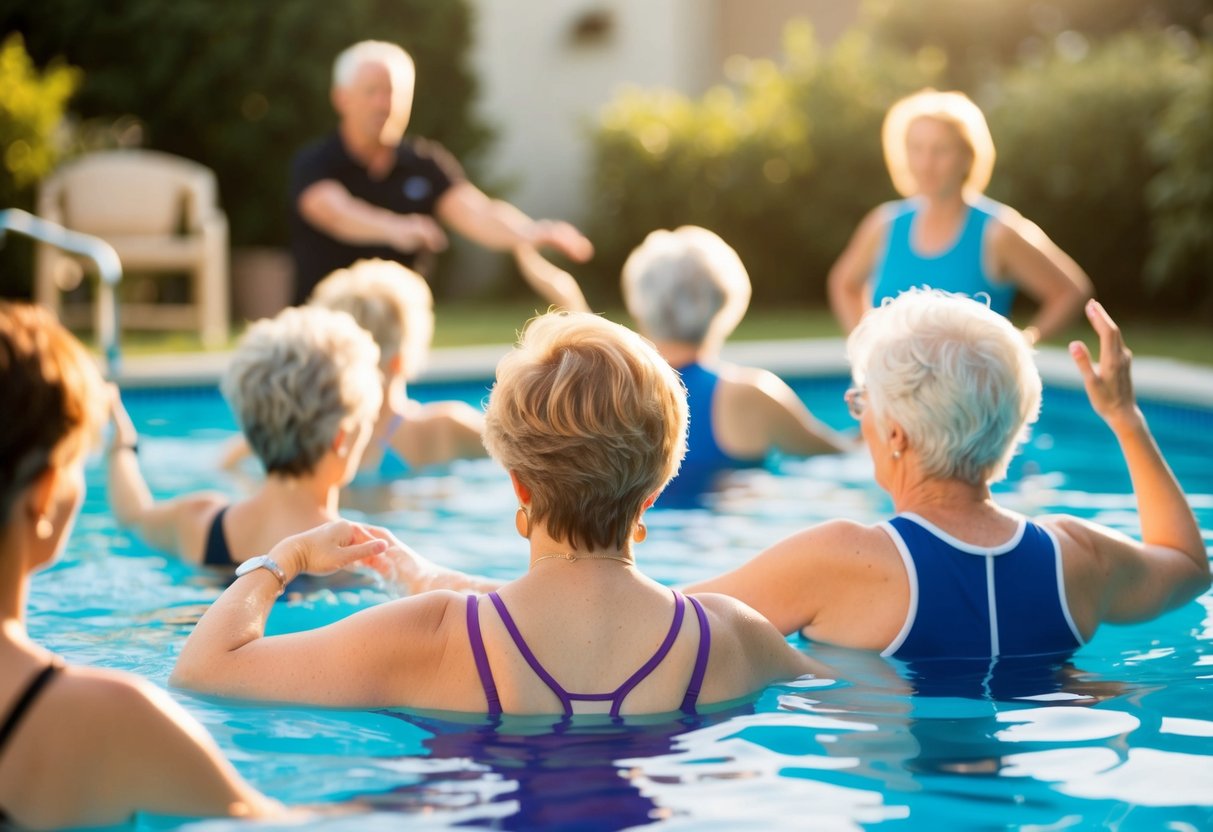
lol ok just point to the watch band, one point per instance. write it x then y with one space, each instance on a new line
263 562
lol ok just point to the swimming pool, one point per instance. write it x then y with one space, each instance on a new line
1127 743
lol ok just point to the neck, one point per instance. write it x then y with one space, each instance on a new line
678 354
944 204
308 493
928 496
545 549
370 152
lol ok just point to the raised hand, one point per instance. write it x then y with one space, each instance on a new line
1109 384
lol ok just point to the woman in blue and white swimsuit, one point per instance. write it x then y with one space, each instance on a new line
945 233
944 391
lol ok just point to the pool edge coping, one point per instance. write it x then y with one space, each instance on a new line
1155 378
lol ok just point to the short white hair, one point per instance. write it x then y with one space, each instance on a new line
296 379
958 377
687 286
390 301
398 62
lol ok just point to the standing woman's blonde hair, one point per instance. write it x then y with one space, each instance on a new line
953 108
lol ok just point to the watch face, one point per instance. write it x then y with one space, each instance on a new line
251 564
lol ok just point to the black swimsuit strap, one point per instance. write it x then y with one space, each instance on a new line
26 700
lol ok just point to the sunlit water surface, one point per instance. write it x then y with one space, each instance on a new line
1126 742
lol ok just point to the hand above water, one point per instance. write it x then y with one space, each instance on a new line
1109 383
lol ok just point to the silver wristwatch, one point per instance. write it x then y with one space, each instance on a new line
262 562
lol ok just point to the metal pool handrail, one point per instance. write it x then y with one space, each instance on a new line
105 259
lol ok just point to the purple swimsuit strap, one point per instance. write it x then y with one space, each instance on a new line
701 660
481 657
616 696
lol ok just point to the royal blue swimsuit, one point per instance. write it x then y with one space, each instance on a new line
705 459
959 269
566 698
981 602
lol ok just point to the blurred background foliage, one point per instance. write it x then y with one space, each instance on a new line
1102 112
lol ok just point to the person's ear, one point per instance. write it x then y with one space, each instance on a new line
899 443
520 490
395 367
40 501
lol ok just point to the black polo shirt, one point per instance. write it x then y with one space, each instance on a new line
424 171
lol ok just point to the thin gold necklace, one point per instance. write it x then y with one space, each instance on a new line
573 557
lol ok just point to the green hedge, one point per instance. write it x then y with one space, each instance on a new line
1107 149
782 164
32 105
240 86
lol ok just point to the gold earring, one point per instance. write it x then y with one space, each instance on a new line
44 528
641 533
896 454
522 522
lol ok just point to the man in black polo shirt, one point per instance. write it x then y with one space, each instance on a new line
366 191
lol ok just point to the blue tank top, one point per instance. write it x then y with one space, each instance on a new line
981 602
960 269
704 458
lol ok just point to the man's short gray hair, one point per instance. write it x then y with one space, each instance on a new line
296 379
687 286
398 62
958 377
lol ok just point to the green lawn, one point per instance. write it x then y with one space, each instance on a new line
468 324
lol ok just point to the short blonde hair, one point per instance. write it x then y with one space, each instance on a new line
296 379
687 286
952 108
56 401
957 376
391 302
591 419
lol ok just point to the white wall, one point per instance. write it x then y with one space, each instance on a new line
542 90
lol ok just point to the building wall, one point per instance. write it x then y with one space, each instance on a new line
546 67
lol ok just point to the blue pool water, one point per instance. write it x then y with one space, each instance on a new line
1126 743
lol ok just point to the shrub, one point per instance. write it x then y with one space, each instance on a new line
1073 144
782 163
1180 196
32 105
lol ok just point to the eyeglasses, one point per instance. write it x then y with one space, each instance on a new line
857 401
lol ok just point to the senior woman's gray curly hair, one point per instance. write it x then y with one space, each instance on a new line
686 286
958 377
298 378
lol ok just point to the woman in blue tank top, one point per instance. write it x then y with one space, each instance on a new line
944 233
944 391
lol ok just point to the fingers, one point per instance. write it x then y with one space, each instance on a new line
1082 358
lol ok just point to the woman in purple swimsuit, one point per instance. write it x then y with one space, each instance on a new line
591 424
78 746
